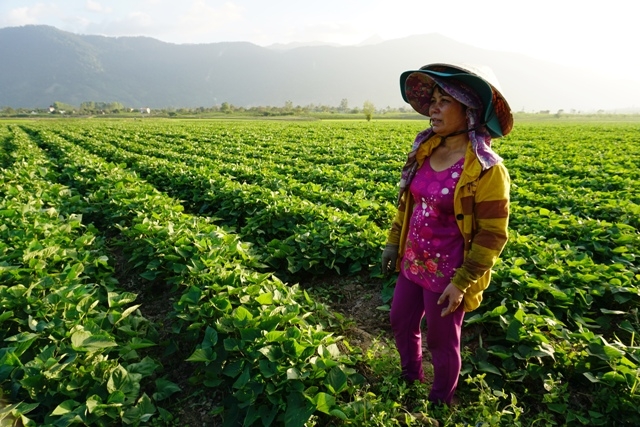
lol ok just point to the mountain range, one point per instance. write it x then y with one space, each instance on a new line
41 64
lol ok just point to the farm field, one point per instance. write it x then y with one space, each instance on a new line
185 272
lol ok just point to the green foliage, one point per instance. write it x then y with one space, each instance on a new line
309 227
221 213
70 344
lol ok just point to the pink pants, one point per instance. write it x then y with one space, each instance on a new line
410 304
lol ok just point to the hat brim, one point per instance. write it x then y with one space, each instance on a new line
497 114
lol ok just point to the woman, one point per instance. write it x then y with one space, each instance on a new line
451 224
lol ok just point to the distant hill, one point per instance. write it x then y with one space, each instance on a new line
41 64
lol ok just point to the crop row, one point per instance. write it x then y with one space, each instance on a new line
263 342
335 189
558 325
297 234
70 343
347 164
561 313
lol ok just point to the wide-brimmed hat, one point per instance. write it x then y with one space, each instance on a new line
417 88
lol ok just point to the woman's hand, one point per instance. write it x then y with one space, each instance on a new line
389 257
454 295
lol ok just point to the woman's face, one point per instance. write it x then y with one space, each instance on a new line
447 114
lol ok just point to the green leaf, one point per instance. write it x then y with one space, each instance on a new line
127 312
118 299
560 408
85 341
265 299
607 311
338 414
499 311
513 331
150 275
615 377
324 402
253 415
142 412
605 351
233 369
488 367
94 402
591 377
23 337
210 338
273 353
232 344
205 355
6 316
241 316
298 411
336 380
620 250
74 272
250 334
164 389
145 367
137 343
330 350
244 378
293 374
268 414
121 380
276 336
192 297
65 407
116 398
267 368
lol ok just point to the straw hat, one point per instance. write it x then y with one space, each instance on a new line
417 87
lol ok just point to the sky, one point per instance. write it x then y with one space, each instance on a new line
600 36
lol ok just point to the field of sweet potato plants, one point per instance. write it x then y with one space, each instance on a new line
184 273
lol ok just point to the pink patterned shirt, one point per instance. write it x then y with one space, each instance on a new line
435 246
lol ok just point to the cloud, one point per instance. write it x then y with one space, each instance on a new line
202 20
97 7
28 15
343 33
186 22
133 24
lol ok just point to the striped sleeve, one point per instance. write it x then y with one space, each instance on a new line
489 230
393 238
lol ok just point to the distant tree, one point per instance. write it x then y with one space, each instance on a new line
88 107
344 105
8 111
61 106
368 109
225 107
115 107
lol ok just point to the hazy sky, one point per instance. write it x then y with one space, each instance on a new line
599 35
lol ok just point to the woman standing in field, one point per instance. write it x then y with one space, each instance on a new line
451 223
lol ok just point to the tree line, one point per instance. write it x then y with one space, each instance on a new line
368 109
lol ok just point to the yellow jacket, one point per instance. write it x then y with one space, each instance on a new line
481 206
